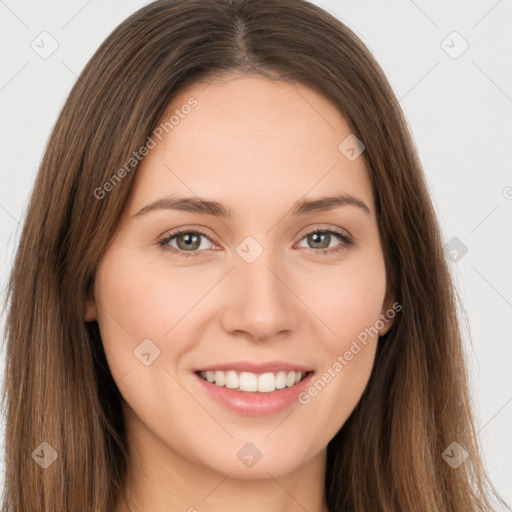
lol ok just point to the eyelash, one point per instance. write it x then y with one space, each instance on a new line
163 243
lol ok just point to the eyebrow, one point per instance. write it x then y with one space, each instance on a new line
216 209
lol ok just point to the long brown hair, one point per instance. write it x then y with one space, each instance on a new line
58 388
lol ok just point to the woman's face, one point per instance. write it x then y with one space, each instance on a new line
255 293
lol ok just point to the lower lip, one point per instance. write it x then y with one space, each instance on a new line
256 404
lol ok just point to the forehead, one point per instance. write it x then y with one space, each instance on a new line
250 142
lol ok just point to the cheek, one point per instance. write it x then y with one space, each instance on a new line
147 294
138 301
347 298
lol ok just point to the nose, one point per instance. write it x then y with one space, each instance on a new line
260 302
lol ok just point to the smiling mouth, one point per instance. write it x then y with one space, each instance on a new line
253 382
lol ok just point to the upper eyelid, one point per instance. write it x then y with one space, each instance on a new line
317 227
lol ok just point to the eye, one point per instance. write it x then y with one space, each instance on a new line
321 239
187 242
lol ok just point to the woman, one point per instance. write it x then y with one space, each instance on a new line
230 290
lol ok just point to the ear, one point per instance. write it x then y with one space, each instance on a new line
388 313
90 306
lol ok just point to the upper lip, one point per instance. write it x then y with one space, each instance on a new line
257 367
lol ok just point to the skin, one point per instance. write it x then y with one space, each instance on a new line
256 145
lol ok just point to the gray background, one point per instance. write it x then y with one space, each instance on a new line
458 107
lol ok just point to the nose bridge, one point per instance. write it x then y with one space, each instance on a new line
256 265
260 280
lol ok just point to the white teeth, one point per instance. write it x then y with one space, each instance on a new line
281 380
247 382
231 380
220 378
266 383
252 382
